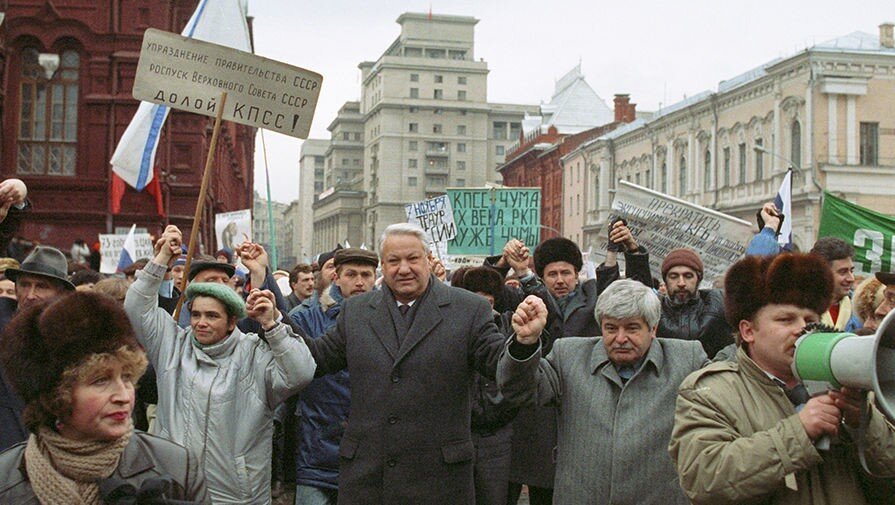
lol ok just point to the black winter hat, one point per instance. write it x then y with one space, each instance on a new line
199 266
557 249
480 279
45 339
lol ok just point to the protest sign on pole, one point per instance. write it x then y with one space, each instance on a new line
110 247
871 233
232 228
486 218
190 75
662 223
436 217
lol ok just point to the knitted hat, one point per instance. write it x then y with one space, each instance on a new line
557 249
682 258
46 338
221 292
198 266
803 280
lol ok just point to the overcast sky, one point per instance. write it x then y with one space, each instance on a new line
657 51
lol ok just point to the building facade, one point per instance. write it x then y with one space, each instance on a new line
261 230
824 111
312 173
61 125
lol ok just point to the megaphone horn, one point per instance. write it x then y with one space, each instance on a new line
837 359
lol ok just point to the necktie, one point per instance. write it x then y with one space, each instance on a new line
404 309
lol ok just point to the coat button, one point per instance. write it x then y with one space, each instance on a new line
391 463
392 419
395 378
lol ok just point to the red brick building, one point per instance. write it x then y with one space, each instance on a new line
60 128
537 162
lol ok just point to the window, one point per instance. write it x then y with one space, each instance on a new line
461 95
664 177
637 178
411 163
461 129
414 92
707 170
438 94
461 183
726 166
742 167
456 54
759 161
795 143
499 130
578 201
461 80
437 112
515 130
682 177
414 110
439 79
414 77
870 144
461 147
345 162
357 136
436 128
48 119
346 136
413 145
411 181
435 53
414 52
499 150
647 181
413 128
461 165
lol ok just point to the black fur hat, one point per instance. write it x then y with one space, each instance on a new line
557 249
803 280
45 339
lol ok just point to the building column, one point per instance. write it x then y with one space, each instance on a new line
832 128
669 167
851 134
692 175
807 160
777 146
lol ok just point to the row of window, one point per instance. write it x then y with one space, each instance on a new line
436 164
435 53
439 79
437 94
434 180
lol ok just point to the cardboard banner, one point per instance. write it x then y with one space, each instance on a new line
436 217
662 223
871 233
455 262
110 247
232 228
188 74
487 218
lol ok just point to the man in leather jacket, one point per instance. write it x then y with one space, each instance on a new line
690 313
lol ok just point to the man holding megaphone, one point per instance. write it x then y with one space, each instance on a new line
746 431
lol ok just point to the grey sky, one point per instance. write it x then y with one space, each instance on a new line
655 51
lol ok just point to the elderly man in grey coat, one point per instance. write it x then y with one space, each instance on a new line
615 397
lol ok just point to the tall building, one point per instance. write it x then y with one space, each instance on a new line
66 100
427 122
312 168
261 226
825 112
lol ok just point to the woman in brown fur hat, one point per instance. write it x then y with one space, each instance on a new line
74 362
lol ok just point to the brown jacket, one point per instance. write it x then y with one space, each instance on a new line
738 439
145 457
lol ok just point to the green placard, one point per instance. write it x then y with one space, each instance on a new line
871 233
486 218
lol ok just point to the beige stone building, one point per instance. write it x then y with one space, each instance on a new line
312 169
427 123
825 111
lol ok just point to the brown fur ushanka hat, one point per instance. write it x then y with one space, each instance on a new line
41 341
803 280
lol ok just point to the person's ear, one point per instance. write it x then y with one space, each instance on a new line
747 331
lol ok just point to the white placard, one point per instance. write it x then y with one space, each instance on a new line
233 228
110 247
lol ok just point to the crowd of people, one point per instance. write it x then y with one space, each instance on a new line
383 378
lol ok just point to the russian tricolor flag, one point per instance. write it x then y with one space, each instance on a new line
129 251
221 22
783 202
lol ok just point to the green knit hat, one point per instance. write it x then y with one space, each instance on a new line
220 292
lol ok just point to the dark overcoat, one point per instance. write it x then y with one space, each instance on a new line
408 438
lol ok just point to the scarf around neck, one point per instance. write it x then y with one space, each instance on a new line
62 470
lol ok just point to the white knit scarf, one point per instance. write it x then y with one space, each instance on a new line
62 470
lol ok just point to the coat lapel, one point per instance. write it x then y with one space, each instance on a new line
428 316
382 325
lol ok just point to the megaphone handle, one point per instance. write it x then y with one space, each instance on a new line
822 443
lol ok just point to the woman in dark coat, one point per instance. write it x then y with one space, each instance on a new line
74 361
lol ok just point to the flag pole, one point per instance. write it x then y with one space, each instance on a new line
271 229
200 204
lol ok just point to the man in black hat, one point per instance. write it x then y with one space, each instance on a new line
42 276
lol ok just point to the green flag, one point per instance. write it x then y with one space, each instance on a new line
871 233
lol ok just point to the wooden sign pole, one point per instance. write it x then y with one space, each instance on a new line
200 204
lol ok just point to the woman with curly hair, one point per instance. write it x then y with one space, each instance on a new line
74 362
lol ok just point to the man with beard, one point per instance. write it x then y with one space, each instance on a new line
690 313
